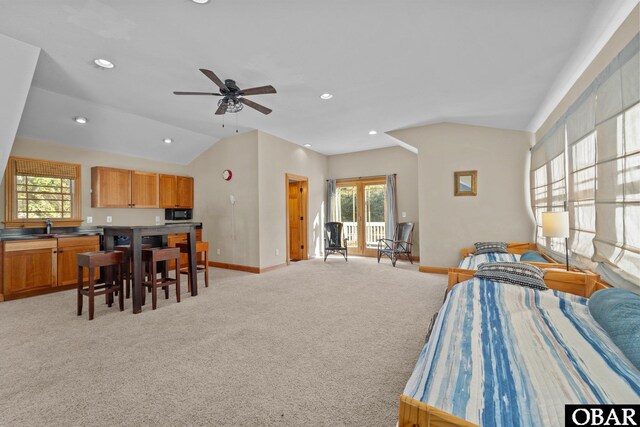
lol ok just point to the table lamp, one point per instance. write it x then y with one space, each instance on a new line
556 224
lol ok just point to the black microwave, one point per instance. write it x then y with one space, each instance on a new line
177 214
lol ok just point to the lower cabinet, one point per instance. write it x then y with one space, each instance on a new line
68 249
30 267
174 239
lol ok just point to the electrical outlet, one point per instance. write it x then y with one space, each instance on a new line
89 220
404 214
218 251
277 251
157 219
109 219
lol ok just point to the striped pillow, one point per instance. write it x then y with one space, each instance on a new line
514 273
490 247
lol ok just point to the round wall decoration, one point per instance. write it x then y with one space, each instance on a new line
227 174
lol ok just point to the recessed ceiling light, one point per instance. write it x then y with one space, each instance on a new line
167 140
200 1
326 96
80 120
103 63
307 145
373 132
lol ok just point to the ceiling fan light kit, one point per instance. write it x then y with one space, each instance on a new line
233 98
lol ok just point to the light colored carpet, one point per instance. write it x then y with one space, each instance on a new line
311 344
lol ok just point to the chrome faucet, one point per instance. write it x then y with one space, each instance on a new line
48 223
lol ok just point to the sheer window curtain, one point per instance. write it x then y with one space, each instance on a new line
617 194
602 159
391 217
548 183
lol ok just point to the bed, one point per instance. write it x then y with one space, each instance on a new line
507 355
470 261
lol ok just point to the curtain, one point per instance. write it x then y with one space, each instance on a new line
601 132
581 142
548 183
391 217
617 194
331 200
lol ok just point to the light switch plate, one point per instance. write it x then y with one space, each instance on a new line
218 251
109 219
157 219
89 220
404 214
277 251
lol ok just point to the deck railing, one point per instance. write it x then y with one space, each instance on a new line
373 232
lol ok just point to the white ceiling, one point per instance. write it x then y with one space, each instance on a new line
390 64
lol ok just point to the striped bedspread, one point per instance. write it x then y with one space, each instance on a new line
471 262
504 355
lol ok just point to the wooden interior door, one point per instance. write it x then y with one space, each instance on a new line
295 221
144 189
168 191
184 196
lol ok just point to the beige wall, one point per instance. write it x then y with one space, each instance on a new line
276 158
232 229
611 49
501 209
385 161
88 158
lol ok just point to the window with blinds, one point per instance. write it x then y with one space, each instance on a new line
601 154
38 190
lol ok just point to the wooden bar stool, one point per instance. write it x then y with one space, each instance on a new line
91 261
128 267
152 257
201 265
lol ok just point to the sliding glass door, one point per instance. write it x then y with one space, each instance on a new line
361 209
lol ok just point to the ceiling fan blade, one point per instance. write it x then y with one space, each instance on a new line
258 90
197 93
222 109
214 78
261 108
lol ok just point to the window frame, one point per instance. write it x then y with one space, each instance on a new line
10 197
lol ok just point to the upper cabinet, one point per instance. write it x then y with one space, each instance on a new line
122 188
144 189
176 191
185 191
110 187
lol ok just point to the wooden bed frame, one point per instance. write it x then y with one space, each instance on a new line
414 413
519 249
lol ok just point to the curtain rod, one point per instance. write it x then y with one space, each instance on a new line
362 177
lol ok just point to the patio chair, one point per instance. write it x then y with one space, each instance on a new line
401 243
333 241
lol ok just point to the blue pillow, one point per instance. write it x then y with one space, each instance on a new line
618 312
533 256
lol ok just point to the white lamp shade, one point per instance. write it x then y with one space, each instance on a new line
555 224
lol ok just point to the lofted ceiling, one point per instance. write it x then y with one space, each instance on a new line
389 64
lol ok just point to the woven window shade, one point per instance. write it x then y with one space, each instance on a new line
29 167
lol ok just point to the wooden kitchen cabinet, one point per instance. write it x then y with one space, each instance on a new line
29 266
176 191
172 242
185 192
144 189
110 187
32 267
68 249
123 188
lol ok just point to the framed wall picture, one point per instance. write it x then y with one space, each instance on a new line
465 183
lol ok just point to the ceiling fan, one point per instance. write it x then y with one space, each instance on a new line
233 98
